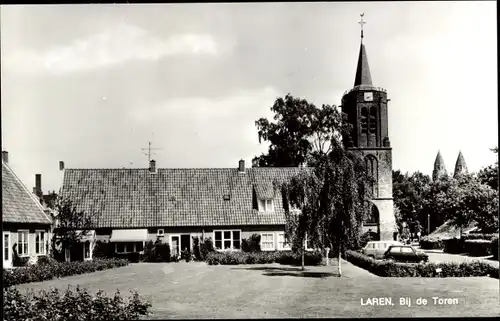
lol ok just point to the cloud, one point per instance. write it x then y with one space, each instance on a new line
113 46
241 103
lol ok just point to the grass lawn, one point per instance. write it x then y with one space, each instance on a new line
196 290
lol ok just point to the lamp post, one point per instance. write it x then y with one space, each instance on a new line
428 223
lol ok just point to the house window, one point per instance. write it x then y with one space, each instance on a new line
40 242
282 244
161 232
267 241
128 247
227 240
6 244
266 205
22 243
86 250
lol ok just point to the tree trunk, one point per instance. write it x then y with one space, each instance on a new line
67 255
339 259
303 254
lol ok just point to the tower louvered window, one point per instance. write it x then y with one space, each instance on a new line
373 120
364 121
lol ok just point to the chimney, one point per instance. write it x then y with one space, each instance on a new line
61 165
5 156
152 166
38 184
241 166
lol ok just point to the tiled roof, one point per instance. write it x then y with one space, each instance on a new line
175 197
19 205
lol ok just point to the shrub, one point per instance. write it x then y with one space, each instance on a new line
391 269
51 268
161 251
186 255
282 257
251 244
71 305
427 243
103 250
478 247
131 257
454 246
196 248
206 247
494 248
149 252
201 247
18 261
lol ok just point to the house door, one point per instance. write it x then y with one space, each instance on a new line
7 252
175 241
186 242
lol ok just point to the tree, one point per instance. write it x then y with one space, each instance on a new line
71 226
466 201
489 175
300 131
409 196
434 205
333 198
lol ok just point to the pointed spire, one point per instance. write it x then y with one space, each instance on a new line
460 165
363 76
439 167
439 162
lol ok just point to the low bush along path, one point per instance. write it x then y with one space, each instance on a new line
197 290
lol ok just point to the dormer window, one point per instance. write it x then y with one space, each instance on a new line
227 197
266 205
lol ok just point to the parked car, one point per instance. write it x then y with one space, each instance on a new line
405 253
376 249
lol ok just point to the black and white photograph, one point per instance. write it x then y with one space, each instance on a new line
249 160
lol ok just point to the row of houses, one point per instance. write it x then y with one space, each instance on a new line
130 206
133 206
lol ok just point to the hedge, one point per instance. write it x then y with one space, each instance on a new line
454 246
391 269
282 257
71 305
427 243
480 236
49 269
477 247
494 248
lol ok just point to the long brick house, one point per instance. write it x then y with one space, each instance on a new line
133 206
25 223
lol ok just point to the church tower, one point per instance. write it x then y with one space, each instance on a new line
460 166
439 167
366 109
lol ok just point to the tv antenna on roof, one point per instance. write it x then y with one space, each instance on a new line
149 149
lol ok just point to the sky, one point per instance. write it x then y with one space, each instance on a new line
92 84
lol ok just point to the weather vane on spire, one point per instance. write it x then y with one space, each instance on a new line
362 22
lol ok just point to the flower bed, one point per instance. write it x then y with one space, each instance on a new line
71 305
49 269
390 269
282 257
